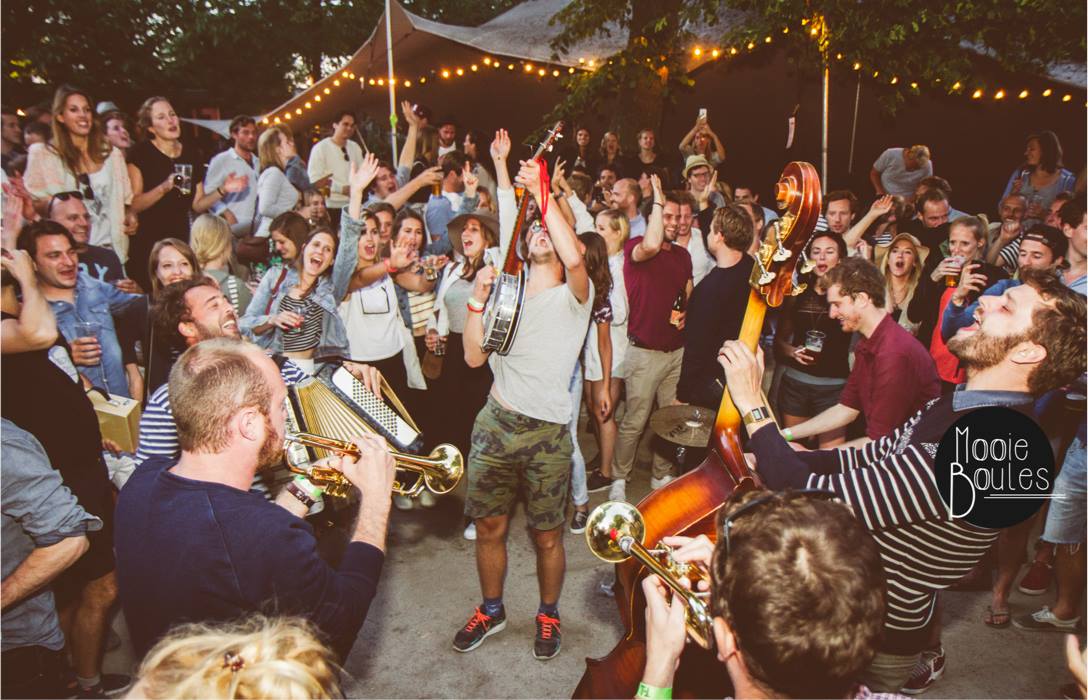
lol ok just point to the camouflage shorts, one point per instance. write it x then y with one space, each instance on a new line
512 452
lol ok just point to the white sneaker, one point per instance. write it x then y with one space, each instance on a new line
402 502
470 531
618 491
656 483
427 499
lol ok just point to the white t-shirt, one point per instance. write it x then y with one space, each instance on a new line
533 377
701 262
326 157
373 322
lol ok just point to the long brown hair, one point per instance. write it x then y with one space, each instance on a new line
473 265
596 257
98 147
153 261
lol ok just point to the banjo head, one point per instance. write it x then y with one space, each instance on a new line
503 313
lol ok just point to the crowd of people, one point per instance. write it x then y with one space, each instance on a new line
204 291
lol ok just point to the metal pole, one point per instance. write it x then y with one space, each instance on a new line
854 130
823 140
389 79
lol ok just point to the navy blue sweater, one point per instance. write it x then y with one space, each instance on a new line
192 551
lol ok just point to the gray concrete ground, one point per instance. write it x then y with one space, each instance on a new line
429 588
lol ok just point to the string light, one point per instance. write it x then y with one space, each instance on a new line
308 105
336 82
371 81
528 67
487 60
767 40
276 120
298 111
509 66
317 98
1067 98
785 30
381 81
857 66
474 67
407 83
460 71
895 79
957 85
541 72
732 50
999 95
751 45
697 52
345 74
914 86
265 120
422 80
555 74
287 115
976 94
571 70
445 74
1048 92
715 53
1023 94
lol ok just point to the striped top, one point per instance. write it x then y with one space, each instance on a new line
891 487
159 433
421 304
308 335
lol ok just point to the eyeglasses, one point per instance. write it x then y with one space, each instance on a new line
727 524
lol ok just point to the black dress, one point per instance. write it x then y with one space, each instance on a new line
168 217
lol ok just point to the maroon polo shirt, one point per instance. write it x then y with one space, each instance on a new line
893 377
652 288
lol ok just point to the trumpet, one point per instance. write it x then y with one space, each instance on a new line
439 471
614 534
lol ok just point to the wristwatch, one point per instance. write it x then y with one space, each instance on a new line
756 414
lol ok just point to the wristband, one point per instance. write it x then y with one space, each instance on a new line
310 488
659 204
650 692
220 191
476 306
788 434
389 269
472 310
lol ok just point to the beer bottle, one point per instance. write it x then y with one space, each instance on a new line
677 309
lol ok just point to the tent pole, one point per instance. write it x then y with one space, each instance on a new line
854 130
823 137
392 87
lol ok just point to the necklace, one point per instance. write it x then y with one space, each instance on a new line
897 299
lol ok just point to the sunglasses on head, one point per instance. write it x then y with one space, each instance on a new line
63 197
727 523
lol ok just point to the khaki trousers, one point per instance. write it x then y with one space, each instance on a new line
651 374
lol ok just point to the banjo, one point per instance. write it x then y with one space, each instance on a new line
503 314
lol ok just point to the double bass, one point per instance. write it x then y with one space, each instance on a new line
690 504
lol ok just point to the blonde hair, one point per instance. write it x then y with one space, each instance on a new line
210 238
919 153
153 261
617 221
258 657
268 143
211 382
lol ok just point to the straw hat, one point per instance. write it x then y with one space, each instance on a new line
696 162
457 224
880 252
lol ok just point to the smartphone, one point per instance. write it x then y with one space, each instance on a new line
702 114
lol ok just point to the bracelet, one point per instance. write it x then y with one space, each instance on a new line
472 310
220 191
313 490
389 267
788 434
302 497
659 204
476 306
650 692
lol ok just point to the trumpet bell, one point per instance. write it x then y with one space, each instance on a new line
607 524
445 469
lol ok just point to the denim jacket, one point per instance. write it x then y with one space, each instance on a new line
328 293
97 301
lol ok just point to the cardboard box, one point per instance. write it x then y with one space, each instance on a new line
118 419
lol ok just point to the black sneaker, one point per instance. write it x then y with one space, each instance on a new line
478 628
597 482
578 522
548 637
110 685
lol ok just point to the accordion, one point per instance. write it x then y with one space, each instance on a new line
337 405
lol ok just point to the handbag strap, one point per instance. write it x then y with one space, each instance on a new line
275 290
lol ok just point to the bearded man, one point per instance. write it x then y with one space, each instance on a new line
193 544
1023 343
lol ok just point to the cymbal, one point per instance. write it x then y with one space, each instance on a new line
683 425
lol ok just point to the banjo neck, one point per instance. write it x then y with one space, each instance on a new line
513 264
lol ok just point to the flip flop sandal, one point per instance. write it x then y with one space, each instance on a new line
997 618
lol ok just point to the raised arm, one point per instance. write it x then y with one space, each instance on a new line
36 327
562 235
500 151
408 153
651 242
879 208
351 225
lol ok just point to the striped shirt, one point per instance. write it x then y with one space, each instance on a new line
159 434
891 487
308 335
421 305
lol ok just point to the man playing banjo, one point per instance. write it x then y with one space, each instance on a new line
520 438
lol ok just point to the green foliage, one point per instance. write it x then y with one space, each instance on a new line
916 40
239 55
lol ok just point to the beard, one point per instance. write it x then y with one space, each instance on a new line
271 453
981 350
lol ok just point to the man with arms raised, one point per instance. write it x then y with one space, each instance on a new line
194 544
1027 341
520 440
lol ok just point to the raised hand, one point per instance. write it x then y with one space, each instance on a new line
403 255
882 205
971 282
659 193
500 147
362 175
471 181
410 115
559 177
20 266
485 279
529 177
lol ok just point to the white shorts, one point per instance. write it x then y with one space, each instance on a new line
592 356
